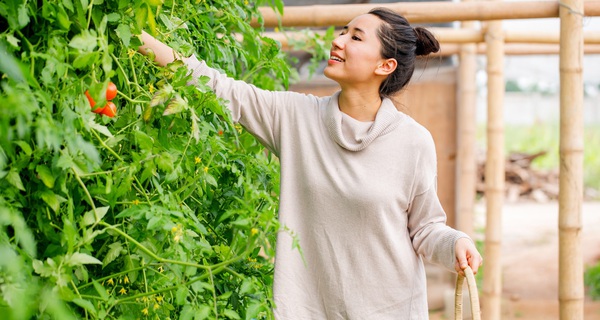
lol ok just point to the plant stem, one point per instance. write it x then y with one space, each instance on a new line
129 99
89 196
105 146
169 261
212 283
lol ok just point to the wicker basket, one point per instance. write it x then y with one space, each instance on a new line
473 295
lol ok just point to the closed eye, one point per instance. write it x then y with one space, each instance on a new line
356 38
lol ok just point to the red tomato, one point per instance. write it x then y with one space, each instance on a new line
110 110
93 103
111 91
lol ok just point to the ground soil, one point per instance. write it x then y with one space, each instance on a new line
530 259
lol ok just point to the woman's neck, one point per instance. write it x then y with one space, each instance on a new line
360 105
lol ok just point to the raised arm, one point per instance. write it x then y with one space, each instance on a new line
163 54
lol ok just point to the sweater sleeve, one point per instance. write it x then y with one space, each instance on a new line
431 237
255 109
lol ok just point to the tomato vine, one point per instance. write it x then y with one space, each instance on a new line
167 210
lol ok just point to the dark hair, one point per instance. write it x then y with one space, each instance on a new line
399 40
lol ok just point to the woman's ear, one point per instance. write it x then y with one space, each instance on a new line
386 67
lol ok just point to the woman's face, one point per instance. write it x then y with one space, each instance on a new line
356 52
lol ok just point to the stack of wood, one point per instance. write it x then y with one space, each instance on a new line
521 181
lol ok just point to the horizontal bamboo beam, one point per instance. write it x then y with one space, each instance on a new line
419 12
451 35
517 49
451 38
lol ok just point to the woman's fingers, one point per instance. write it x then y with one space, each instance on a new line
467 255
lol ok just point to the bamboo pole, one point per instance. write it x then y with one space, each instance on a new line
465 161
451 46
570 283
494 172
465 36
516 49
418 12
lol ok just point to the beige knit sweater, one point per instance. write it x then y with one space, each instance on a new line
359 196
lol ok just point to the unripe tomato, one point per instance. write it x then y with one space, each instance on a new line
109 110
111 91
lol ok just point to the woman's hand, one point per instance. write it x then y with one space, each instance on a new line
466 254
163 54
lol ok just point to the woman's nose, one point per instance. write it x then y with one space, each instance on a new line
338 42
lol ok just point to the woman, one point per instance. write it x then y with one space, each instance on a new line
358 179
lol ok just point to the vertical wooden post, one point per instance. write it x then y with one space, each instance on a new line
466 162
494 173
570 283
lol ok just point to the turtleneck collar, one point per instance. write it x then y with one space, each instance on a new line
354 135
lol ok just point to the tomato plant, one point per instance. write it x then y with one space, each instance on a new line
166 211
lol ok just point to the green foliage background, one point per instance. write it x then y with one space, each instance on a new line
167 210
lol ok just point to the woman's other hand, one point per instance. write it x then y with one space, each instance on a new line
466 254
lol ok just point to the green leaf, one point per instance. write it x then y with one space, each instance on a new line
165 162
14 179
181 295
25 147
161 95
89 217
63 18
113 253
45 175
85 41
52 200
210 180
231 314
9 65
141 16
195 129
85 59
12 41
187 313
203 312
87 305
100 128
100 289
176 105
65 161
68 4
42 268
79 258
155 222
124 33
135 212
113 17
144 141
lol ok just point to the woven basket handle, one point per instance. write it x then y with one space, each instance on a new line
473 295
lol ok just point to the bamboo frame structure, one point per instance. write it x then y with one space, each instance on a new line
494 172
570 283
418 12
466 165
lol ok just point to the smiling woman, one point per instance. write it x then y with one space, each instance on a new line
358 178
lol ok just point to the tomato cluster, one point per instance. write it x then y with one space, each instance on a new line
109 109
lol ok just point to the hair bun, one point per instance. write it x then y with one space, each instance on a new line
426 42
